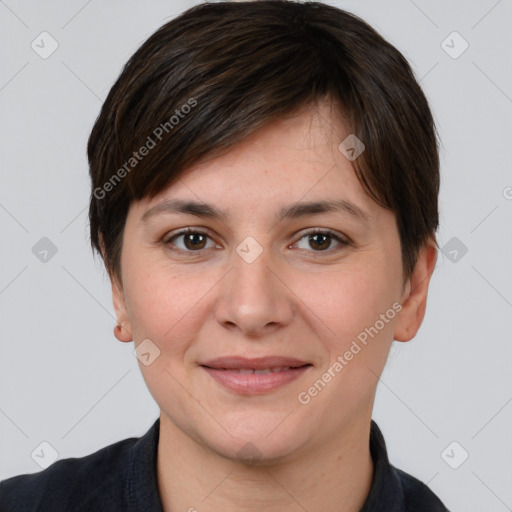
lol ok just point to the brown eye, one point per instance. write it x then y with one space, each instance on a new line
189 241
194 241
321 241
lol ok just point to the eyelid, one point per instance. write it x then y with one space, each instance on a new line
184 231
335 234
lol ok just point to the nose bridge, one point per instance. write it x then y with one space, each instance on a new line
251 273
253 298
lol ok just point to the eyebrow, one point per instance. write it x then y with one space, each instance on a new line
297 210
292 211
185 206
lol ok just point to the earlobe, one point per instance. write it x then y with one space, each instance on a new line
414 299
123 330
121 334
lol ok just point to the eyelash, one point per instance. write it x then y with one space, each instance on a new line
343 242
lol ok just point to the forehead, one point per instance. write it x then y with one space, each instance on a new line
293 158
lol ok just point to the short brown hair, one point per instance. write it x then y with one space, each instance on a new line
212 76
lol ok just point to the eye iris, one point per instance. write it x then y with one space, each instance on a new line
320 239
194 240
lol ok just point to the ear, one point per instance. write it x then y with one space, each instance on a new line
123 331
414 298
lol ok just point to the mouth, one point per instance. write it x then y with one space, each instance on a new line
255 376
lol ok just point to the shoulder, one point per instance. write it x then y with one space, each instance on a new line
417 496
69 483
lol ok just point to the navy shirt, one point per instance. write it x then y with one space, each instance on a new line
122 478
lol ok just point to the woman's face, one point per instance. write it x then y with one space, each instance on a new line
252 280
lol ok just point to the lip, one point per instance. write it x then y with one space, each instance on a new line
226 371
258 363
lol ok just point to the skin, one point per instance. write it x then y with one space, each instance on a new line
294 300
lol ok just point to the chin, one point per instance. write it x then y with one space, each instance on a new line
256 444
258 453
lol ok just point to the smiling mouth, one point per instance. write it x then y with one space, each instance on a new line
255 376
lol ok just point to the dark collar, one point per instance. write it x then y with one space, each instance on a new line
387 493
142 488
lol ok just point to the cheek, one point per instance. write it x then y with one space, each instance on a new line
168 311
165 306
346 302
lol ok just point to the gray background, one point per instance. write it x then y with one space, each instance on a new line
65 379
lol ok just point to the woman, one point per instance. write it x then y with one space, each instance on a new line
264 196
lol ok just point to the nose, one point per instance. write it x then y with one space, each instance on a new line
253 298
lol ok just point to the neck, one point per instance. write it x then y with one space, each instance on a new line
335 478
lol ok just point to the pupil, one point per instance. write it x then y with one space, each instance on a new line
323 245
